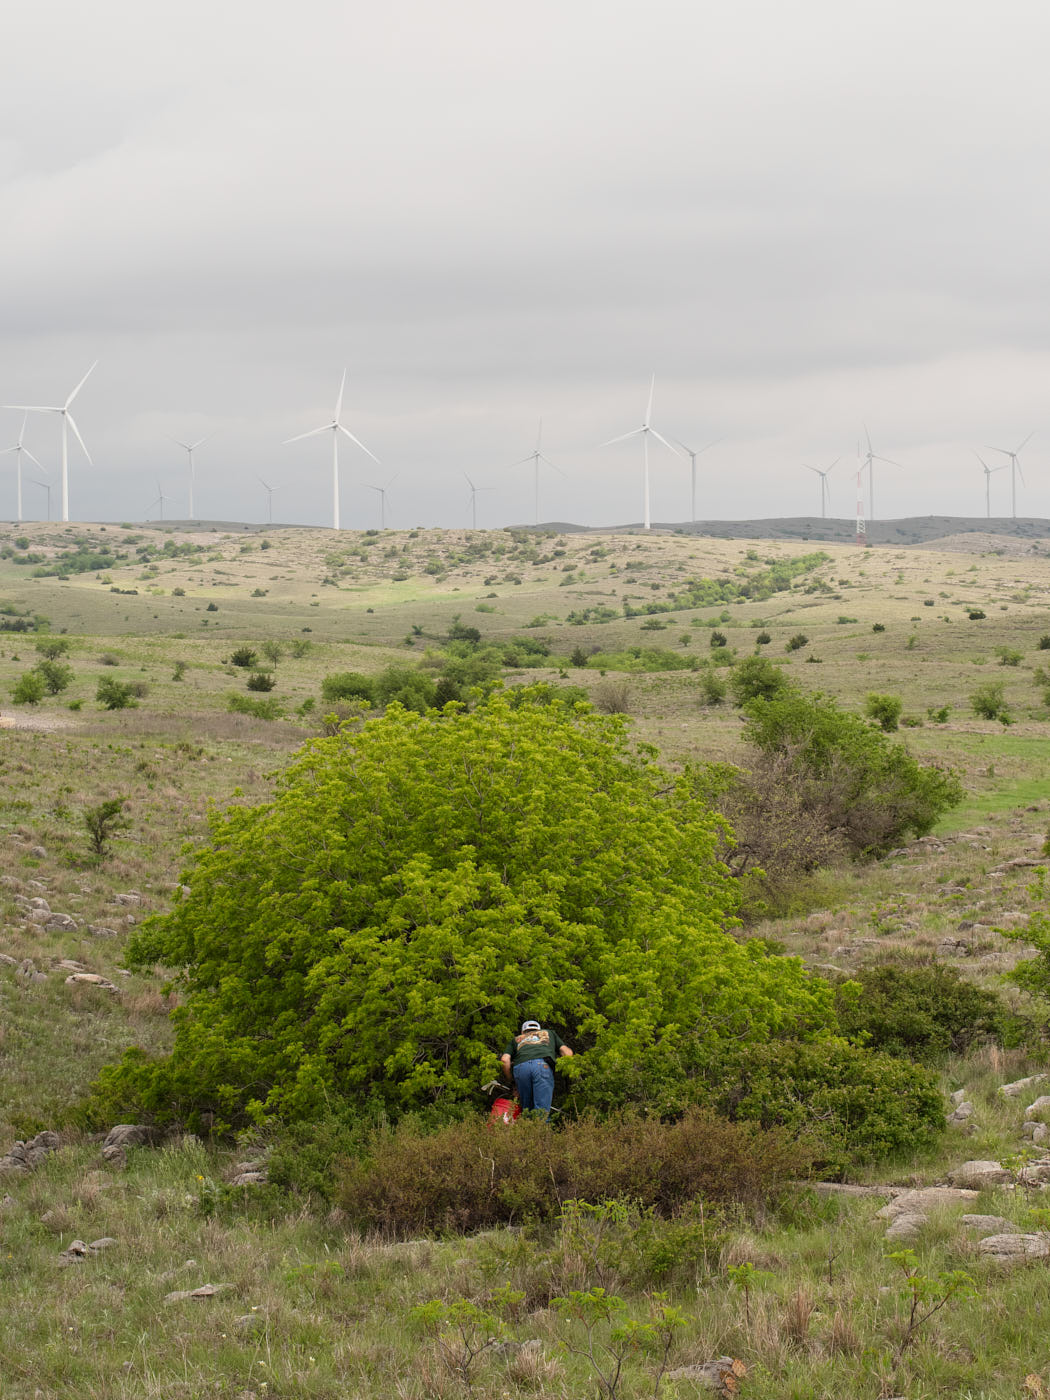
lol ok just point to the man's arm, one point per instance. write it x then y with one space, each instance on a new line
564 1049
505 1062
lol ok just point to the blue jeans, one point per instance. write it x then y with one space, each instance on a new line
535 1081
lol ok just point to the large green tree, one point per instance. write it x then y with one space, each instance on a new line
374 934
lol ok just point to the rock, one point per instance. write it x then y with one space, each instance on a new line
979 1175
7 960
953 948
250 1322
923 1199
249 1179
1011 1249
7 1203
958 1096
206 1290
1018 1087
1038 1133
97 1246
41 853
989 1224
27 1156
1037 1174
71 965
38 903
91 979
61 921
126 1135
962 1114
76 1252
1038 1107
101 931
723 1375
906 1225
128 897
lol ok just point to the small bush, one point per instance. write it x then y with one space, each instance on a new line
102 823
56 675
757 678
243 656
52 648
939 716
718 639
797 642
348 685
613 698
579 657
878 627
471 1176
261 680
212 607
1044 642
763 639
260 709
974 614
712 688
112 694
108 659
858 1105
917 1013
989 702
885 710
1009 656
29 689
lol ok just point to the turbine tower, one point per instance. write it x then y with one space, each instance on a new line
645 432
474 501
19 448
825 494
335 427
989 472
535 457
1015 469
191 448
870 458
67 422
692 472
44 486
161 498
269 499
382 490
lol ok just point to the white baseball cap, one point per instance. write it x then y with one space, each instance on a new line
530 1025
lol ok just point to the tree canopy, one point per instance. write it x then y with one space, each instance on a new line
373 935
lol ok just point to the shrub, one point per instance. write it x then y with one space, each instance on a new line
718 639
613 697
212 607
860 784
469 1176
797 642
712 688
916 1013
112 694
939 716
854 1105
56 675
261 680
51 648
259 709
368 936
1009 656
885 710
989 702
243 656
878 627
1044 642
348 685
763 639
102 823
29 689
974 614
579 657
756 678
406 686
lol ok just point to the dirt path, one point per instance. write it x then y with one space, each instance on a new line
25 720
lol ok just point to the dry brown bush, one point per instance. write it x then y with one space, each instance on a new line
612 697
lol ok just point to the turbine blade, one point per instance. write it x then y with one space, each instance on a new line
339 400
312 433
623 437
833 466
31 457
868 436
34 407
347 433
660 438
539 435
80 386
812 469
652 391
983 463
1027 440
76 433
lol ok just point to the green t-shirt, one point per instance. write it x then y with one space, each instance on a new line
533 1045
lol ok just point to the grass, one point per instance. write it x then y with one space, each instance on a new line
312 1309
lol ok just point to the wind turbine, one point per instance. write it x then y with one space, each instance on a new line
870 458
989 472
382 490
1015 469
825 494
159 501
645 432
269 499
692 471
335 428
474 501
191 448
18 449
535 457
67 423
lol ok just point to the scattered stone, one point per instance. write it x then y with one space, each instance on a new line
97 1246
91 979
846 1188
961 1115
7 960
126 1135
1037 1174
7 1203
723 1374
61 921
906 1225
101 931
1038 1107
38 903
9 882
249 1179
958 1097
27 1156
1018 863
1011 1249
1039 1133
76 1252
923 1199
250 1322
980 1174
27 970
1019 1086
128 897
41 853
206 1290
989 1224
71 965
953 948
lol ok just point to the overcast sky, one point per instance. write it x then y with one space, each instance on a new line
803 218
